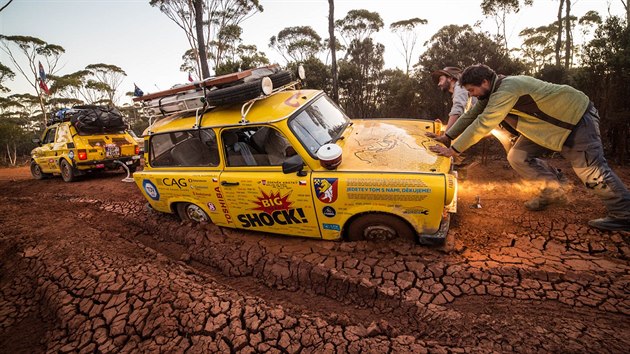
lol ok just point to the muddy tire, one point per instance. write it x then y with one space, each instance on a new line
36 171
379 227
192 212
67 171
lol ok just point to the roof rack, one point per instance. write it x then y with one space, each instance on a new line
192 97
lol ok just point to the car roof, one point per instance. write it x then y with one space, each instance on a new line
278 106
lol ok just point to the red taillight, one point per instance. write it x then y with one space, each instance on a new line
137 149
82 154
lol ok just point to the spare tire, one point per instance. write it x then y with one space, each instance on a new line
235 94
280 78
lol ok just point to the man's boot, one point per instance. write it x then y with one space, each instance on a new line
547 197
610 223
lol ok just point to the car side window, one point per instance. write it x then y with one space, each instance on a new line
64 134
192 148
255 146
50 136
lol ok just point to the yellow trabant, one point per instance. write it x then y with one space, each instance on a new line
261 167
72 150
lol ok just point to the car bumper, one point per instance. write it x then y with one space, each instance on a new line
108 163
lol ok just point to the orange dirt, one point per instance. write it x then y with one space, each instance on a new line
86 267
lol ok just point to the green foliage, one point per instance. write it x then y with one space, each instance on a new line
458 46
359 25
359 77
398 95
318 74
15 141
297 43
605 78
5 74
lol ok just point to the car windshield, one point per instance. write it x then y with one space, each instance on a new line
320 123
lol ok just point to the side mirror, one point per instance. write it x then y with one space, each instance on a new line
293 164
36 141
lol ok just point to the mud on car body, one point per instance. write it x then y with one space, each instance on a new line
260 167
82 140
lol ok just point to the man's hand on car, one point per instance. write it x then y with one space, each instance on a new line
443 151
440 138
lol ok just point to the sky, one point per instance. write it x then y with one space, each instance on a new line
148 46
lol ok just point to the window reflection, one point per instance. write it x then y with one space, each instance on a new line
318 124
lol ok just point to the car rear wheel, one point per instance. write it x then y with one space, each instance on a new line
67 171
36 171
379 227
191 212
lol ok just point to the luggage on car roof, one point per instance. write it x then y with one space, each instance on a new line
96 119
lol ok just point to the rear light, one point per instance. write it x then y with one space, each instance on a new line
82 154
137 149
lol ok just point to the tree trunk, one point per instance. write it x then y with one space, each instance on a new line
202 53
559 39
333 51
42 105
568 39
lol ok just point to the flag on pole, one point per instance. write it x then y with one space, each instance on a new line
42 73
137 91
190 78
44 87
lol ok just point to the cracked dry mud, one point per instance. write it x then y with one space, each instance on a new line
85 267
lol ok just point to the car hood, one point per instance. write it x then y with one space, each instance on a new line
390 145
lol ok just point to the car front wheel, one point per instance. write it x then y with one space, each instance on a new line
67 171
192 212
379 227
36 171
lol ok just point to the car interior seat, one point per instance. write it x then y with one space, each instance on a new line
192 152
240 153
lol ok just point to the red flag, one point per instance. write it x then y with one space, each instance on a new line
190 78
44 87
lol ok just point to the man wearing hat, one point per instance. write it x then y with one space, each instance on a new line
549 117
446 80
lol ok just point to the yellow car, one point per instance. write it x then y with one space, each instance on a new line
293 163
82 140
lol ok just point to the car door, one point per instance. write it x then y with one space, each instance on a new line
258 194
44 155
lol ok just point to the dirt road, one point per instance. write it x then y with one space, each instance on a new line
85 267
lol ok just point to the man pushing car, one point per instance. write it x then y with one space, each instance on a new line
548 117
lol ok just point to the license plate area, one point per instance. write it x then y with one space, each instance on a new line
112 150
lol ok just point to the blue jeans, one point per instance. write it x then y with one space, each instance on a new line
583 148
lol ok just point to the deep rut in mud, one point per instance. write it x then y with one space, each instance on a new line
86 267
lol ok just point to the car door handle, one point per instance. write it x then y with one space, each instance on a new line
226 183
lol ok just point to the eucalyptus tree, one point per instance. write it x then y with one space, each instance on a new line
358 25
297 44
245 57
33 50
81 85
406 32
604 78
537 48
332 46
499 9
202 22
359 71
459 46
111 76
5 74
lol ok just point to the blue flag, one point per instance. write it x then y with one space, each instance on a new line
137 91
42 74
